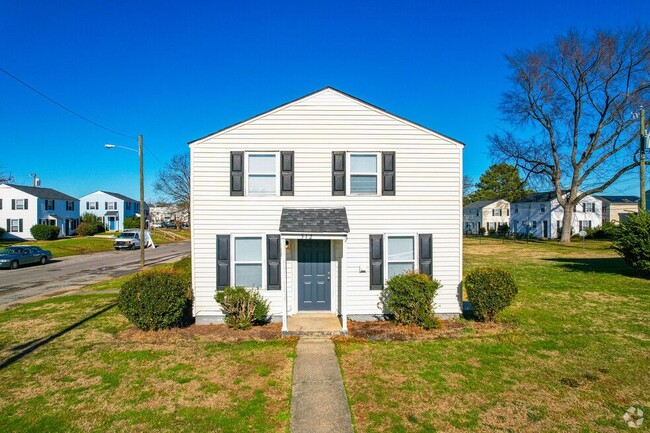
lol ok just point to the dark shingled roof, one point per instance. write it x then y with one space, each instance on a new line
118 195
46 193
479 204
626 199
331 220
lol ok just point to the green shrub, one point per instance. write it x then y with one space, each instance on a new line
482 230
607 230
633 241
156 300
93 224
87 229
408 298
489 290
2 231
503 229
44 232
244 308
132 222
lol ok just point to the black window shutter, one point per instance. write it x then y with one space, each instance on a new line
87 205
426 254
273 267
115 205
13 204
105 205
236 173
97 205
26 207
223 261
376 262
20 225
388 164
286 173
338 173
0 204
8 225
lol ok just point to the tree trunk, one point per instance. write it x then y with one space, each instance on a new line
567 220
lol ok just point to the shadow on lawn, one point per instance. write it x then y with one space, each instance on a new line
615 265
29 347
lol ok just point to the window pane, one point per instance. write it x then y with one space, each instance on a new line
248 249
261 184
248 275
363 163
400 248
261 164
363 184
398 268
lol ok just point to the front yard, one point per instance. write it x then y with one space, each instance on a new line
575 356
100 375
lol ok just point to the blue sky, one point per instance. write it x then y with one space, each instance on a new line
176 71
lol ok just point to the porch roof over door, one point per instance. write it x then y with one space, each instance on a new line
112 213
314 221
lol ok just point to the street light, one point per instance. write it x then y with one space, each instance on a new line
142 210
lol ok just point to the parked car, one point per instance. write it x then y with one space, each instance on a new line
127 240
168 225
14 257
156 225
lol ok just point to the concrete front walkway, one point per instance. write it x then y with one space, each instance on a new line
318 402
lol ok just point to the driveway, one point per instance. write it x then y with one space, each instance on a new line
73 272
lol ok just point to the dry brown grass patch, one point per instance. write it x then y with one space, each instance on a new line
389 331
203 333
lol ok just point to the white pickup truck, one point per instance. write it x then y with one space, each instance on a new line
127 240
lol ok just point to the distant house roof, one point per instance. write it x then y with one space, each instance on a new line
538 197
621 199
46 193
331 220
479 204
117 195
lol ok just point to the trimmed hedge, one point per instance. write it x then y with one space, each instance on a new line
632 241
408 298
244 308
44 232
156 300
489 290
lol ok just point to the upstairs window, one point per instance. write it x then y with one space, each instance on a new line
262 173
111 205
128 205
49 204
496 212
69 205
93 205
364 173
248 262
20 203
401 255
542 208
589 207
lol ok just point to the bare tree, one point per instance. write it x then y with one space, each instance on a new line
173 182
468 188
571 104
6 177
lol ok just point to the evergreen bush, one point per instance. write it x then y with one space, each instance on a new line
632 241
44 232
244 308
156 300
408 298
489 290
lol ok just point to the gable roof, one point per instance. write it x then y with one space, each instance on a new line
481 203
45 193
327 89
115 194
621 199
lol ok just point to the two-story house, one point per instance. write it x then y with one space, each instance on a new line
112 207
22 207
318 202
616 208
489 214
540 215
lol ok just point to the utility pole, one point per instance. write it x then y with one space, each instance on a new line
142 210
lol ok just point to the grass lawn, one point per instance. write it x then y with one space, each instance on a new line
68 246
576 356
100 376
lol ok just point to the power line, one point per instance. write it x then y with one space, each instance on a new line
38 92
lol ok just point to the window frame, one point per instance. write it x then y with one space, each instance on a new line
497 212
416 257
233 243
247 174
349 174
22 204
69 205
17 226
50 204
111 205
92 205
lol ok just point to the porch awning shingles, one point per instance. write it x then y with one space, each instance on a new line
327 220
112 213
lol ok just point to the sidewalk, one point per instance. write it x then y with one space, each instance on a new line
318 402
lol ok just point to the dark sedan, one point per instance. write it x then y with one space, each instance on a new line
14 257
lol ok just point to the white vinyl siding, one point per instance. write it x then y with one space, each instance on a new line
248 262
363 175
400 256
428 199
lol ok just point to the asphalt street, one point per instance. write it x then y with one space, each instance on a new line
73 272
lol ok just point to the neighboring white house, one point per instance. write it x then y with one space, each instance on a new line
616 208
22 207
489 214
318 202
540 215
168 214
112 207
